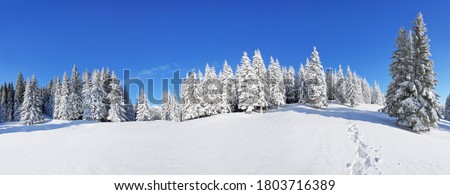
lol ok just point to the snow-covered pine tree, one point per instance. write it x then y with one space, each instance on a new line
116 111
289 83
97 97
57 100
276 97
75 99
228 98
190 97
31 112
201 110
129 108
315 82
351 88
105 81
48 98
87 96
18 99
3 101
358 82
248 88
447 108
10 103
340 87
175 109
398 74
366 92
211 91
263 83
143 112
166 106
419 111
65 109
300 84
377 97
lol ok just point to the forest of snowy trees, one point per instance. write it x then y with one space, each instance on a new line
99 95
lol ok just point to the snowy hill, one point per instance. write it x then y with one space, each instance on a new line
292 140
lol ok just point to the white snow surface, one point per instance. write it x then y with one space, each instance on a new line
294 139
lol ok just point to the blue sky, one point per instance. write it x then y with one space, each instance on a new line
154 38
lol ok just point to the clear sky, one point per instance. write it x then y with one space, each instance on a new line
154 38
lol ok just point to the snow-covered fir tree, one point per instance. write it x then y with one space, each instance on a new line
190 97
377 97
351 86
228 96
248 87
340 92
18 96
143 111
210 91
65 108
447 108
400 60
86 95
276 97
315 82
415 81
289 83
420 112
166 106
48 98
31 110
116 111
263 83
366 92
300 84
3 101
57 98
129 108
98 96
175 109
75 98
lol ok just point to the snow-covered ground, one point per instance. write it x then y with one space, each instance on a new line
291 140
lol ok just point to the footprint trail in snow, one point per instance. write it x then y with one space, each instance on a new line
366 158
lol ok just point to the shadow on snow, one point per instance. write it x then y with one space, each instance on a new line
16 127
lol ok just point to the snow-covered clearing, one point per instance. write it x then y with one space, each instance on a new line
291 140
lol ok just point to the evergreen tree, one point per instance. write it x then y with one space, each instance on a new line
210 88
289 83
65 109
419 111
248 88
447 108
340 87
398 73
31 112
143 112
87 96
190 97
377 97
3 102
166 106
129 108
300 84
98 108
276 97
351 93
175 109
263 83
57 99
116 111
366 92
19 93
315 82
228 98
75 98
